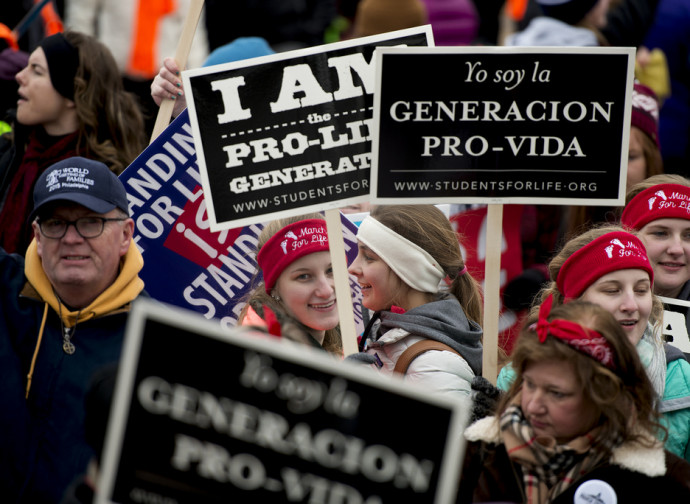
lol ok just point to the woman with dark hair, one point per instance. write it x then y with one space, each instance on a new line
71 103
578 423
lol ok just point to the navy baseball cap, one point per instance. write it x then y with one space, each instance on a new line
83 181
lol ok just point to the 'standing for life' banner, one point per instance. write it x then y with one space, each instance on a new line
185 263
267 422
502 125
289 133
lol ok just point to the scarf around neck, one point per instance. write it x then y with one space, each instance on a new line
548 468
653 357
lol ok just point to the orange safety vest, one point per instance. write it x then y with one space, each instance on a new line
516 9
142 62
51 20
7 35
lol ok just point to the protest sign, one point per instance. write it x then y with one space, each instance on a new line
675 328
185 263
506 125
501 125
266 422
288 133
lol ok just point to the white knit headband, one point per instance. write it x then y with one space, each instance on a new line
409 261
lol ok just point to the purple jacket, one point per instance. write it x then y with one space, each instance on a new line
454 22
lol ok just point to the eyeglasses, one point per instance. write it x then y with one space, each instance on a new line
87 227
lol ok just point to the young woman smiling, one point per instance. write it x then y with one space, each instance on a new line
296 296
405 254
609 266
657 209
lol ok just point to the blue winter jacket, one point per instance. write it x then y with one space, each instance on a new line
42 446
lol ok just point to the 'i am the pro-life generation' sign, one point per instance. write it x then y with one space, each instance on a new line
213 271
289 133
225 416
502 125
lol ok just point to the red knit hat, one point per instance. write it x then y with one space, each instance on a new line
610 252
645 111
289 244
661 201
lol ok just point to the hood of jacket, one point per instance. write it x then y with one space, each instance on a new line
546 31
442 320
122 291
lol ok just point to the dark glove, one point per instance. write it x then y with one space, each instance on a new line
485 396
520 292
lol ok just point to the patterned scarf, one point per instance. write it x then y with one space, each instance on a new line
547 467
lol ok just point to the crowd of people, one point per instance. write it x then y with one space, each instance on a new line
592 400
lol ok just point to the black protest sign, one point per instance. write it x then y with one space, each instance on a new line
675 325
207 415
289 133
502 125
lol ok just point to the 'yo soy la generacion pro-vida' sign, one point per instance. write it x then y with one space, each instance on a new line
505 125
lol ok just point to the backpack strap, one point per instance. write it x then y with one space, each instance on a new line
417 349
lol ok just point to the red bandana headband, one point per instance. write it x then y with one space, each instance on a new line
582 339
662 201
613 251
289 244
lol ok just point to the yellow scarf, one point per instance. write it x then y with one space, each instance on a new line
122 291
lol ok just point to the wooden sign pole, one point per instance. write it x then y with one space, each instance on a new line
492 284
183 46
341 278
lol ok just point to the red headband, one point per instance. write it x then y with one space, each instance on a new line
289 244
662 201
611 252
582 339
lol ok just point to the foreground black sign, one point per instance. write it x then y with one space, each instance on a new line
288 133
502 125
206 416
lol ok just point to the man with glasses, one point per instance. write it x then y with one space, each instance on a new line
62 316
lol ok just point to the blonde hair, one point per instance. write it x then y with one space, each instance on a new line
570 247
663 178
258 296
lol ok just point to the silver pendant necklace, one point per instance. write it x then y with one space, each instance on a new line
67 345
67 333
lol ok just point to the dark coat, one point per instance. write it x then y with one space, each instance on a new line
43 445
634 473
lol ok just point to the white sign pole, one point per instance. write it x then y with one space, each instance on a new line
341 278
492 283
